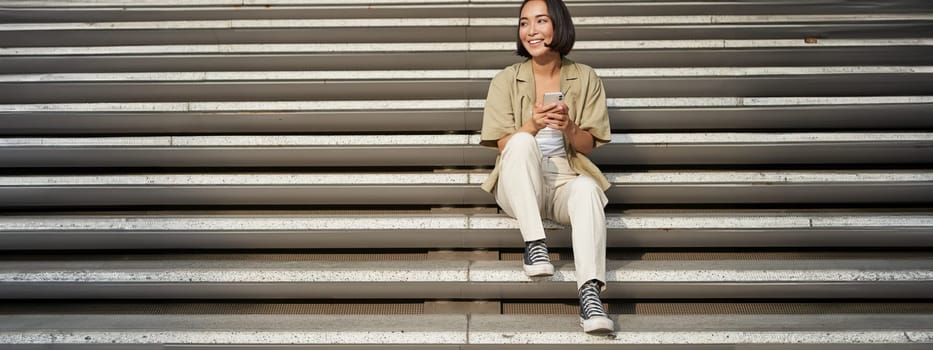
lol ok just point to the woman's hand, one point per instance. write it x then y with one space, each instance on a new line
552 115
556 118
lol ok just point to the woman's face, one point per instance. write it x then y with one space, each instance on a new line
535 28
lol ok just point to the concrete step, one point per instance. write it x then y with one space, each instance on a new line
449 84
635 114
457 150
265 277
453 74
752 331
434 307
244 331
631 229
397 30
768 53
450 24
457 188
500 7
453 55
457 331
38 11
485 47
271 81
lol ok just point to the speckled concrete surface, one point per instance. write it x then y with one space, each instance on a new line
214 271
765 138
725 271
383 105
241 141
448 140
246 271
745 177
117 278
756 177
459 329
760 221
237 179
673 102
233 329
276 106
283 76
708 329
235 223
451 21
449 46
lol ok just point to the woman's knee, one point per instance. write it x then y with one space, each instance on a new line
521 141
586 188
585 183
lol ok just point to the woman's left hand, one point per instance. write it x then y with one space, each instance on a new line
558 119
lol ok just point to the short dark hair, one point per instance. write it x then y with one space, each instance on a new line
564 34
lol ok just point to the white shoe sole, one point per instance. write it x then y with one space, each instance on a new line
538 270
597 324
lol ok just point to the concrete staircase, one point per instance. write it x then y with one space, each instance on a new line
303 174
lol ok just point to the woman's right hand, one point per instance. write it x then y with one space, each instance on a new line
542 116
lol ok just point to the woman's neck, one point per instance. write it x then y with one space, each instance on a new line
546 66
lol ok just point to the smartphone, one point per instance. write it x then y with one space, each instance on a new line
553 97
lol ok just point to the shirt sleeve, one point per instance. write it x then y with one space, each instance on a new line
595 112
498 117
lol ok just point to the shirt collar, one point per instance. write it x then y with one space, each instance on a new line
569 73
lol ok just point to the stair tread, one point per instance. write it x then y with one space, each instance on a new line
157 269
475 21
448 104
459 329
745 177
685 228
684 219
458 188
331 48
391 140
447 74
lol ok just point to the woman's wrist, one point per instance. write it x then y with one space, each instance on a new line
572 129
529 128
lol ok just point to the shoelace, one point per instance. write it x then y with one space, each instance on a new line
536 253
590 305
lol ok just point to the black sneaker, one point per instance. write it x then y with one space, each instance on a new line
593 317
537 262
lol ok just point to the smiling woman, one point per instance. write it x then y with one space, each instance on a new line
553 20
542 170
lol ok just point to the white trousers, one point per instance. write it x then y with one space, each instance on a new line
531 187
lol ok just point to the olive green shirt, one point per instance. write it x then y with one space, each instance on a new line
511 98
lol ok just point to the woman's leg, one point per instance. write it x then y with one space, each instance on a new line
520 193
519 190
581 203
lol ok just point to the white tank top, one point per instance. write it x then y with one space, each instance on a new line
551 142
